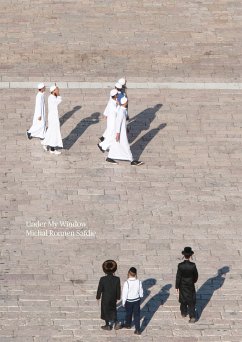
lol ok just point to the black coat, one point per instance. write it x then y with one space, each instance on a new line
186 277
109 289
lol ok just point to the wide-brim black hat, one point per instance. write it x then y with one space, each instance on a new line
187 251
109 266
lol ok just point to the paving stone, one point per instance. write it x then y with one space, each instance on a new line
188 192
182 41
145 216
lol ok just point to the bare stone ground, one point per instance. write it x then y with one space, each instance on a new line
187 193
100 39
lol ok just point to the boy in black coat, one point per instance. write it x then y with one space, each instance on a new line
109 290
186 277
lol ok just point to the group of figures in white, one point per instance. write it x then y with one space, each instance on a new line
51 137
114 140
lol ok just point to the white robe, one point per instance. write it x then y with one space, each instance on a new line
38 128
120 149
53 134
110 113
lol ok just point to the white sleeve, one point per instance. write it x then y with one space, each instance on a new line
141 292
42 107
38 105
125 293
119 120
106 111
58 100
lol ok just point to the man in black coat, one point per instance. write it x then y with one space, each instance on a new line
109 290
186 277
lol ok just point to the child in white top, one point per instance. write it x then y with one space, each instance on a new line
131 295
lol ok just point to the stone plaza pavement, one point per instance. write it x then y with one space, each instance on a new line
188 192
77 40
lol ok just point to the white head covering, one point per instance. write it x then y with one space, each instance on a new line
123 100
41 86
118 85
122 81
52 88
113 92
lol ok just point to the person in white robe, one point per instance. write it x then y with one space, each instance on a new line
122 81
38 128
110 114
53 138
123 90
118 86
120 148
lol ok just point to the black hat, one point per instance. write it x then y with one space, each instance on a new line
187 251
133 270
109 266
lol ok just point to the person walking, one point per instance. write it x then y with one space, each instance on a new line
53 138
123 93
38 128
119 148
110 114
123 90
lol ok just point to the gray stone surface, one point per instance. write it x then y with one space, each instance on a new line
187 193
88 40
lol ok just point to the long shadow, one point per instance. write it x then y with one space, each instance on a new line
139 146
147 284
206 291
150 308
80 128
69 114
141 122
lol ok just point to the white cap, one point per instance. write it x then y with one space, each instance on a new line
113 92
52 88
41 85
118 85
123 100
122 81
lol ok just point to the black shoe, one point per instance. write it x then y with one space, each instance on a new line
192 320
137 332
28 135
118 326
101 139
100 148
184 315
111 161
107 327
137 162
126 326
